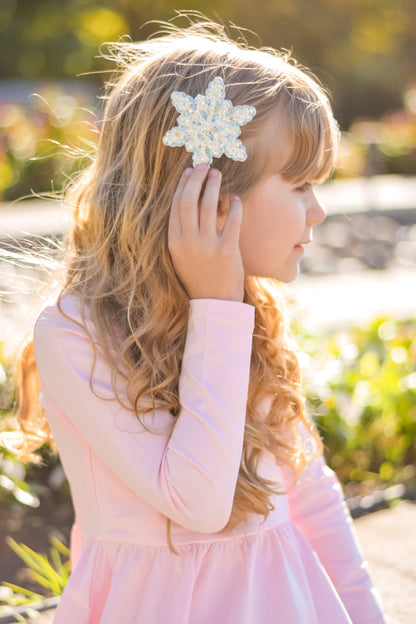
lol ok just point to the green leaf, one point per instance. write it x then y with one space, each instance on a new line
42 571
56 560
64 550
47 583
30 557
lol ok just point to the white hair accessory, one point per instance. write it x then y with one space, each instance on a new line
208 125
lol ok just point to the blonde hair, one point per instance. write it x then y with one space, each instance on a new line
118 262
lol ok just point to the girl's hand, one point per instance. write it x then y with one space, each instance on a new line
207 262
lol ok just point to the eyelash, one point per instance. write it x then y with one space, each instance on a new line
304 187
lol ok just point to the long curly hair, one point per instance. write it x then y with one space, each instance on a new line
117 260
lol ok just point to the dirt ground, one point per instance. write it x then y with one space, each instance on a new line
32 527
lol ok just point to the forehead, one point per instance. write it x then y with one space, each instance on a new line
300 146
274 144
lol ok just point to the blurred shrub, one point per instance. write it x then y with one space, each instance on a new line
22 482
13 474
380 146
41 144
6 383
361 386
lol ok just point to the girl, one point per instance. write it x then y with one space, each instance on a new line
168 378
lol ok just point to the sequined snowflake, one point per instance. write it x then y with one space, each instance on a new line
208 125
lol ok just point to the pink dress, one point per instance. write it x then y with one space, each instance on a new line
301 566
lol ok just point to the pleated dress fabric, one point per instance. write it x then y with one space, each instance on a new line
302 565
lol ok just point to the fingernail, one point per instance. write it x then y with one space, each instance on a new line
187 172
214 173
201 167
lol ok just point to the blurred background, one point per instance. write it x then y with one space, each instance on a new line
364 52
354 301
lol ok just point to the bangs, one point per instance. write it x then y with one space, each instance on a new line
313 135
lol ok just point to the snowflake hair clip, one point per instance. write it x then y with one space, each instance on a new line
208 125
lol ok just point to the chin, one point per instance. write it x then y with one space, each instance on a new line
287 272
287 276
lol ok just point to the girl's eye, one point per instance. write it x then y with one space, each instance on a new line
304 187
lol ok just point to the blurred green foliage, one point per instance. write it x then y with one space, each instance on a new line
42 144
13 474
6 383
380 146
361 387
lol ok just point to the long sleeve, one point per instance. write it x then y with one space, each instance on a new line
317 506
188 469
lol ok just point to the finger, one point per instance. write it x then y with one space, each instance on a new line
188 204
209 203
175 228
231 232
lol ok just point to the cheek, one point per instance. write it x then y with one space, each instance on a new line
287 226
293 217
270 225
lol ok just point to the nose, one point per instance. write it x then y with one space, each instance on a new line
316 212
